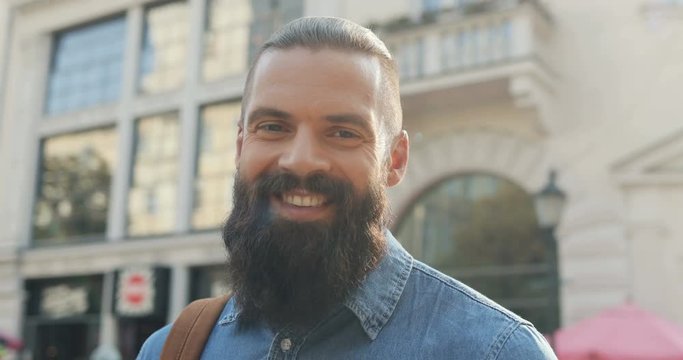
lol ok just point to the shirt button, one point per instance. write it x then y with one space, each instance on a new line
285 345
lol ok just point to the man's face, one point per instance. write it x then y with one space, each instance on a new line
313 111
309 198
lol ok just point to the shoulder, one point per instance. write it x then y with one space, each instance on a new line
151 349
468 318
524 343
426 282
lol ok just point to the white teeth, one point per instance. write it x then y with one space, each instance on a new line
303 201
297 200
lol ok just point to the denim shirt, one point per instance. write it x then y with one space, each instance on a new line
403 310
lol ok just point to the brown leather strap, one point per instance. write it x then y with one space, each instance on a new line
192 328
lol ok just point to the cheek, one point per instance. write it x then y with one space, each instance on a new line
254 160
362 169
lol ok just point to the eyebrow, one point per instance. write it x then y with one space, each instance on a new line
268 112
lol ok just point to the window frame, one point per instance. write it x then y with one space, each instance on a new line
139 90
197 155
132 163
54 38
71 240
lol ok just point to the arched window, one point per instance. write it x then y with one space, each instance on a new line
482 230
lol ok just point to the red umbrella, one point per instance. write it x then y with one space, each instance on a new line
10 342
626 332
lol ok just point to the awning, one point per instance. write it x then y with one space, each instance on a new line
626 332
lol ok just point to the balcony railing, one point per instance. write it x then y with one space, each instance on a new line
472 36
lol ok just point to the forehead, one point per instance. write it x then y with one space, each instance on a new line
329 65
324 76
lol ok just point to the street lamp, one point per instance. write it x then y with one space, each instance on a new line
549 204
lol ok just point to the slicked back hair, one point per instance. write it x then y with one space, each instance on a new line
338 34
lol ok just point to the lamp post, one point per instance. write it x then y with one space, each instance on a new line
549 204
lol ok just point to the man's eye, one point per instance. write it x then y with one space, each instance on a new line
271 127
345 134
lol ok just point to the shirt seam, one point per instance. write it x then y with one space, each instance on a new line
496 348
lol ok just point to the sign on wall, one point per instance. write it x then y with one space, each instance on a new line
141 292
135 292
64 297
63 301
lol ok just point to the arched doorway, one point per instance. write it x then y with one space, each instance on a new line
482 230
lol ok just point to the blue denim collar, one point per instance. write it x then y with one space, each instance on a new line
374 301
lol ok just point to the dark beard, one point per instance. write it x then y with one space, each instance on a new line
294 273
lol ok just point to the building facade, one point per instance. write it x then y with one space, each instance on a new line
117 131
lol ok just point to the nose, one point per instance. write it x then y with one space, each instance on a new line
304 155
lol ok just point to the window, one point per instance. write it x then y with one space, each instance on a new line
152 196
215 164
164 47
236 29
269 16
482 229
86 66
208 281
75 176
226 38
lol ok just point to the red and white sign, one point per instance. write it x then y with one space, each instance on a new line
135 292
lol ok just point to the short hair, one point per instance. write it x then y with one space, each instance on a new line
338 34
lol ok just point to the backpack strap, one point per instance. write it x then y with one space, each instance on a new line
192 328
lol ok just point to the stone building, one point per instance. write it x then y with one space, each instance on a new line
117 128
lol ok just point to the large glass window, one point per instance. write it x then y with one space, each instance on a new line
152 196
215 164
482 230
164 47
270 15
75 176
226 38
236 29
86 66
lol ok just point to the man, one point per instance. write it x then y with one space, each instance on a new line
315 273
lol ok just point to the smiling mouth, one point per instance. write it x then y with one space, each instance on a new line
303 200
302 205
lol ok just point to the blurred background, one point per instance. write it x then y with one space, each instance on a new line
546 165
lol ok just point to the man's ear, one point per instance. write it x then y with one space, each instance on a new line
398 160
238 145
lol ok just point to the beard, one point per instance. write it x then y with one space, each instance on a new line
294 273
